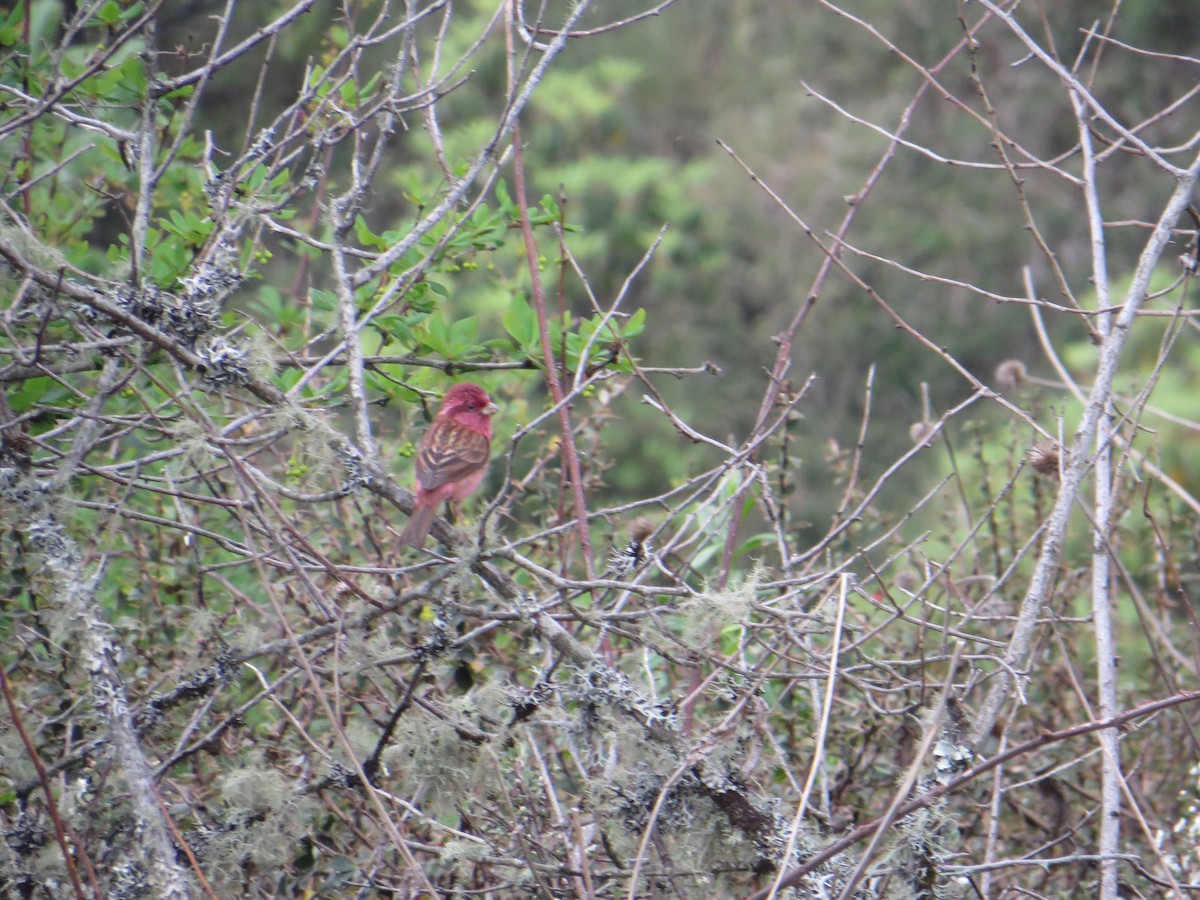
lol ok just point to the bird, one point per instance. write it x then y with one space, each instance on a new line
452 457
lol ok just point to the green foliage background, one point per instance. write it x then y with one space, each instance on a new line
144 461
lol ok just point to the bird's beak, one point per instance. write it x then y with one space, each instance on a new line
491 409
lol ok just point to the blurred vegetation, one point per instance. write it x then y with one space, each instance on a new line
623 136
211 476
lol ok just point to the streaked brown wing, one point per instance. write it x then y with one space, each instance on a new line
450 452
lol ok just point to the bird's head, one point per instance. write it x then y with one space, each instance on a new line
469 401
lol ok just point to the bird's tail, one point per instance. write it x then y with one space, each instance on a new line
418 526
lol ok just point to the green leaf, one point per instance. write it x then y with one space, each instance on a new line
520 321
109 14
400 328
503 198
485 217
371 86
635 326
432 333
452 340
12 25
462 335
182 92
133 76
365 236
731 636
377 382
36 390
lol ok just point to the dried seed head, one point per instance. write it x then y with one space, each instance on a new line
1010 373
641 528
1045 458
624 560
952 754
921 432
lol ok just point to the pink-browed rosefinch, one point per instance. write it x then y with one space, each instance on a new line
452 457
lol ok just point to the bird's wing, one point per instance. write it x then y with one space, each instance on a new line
450 452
